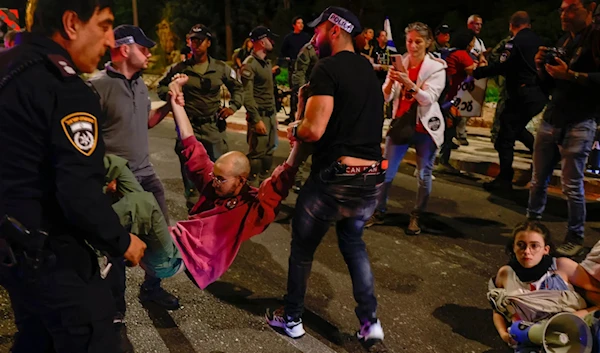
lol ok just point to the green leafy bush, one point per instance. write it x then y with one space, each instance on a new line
282 78
492 92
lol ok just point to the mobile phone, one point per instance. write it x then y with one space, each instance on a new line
397 62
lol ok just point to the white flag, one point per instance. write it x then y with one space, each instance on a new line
388 29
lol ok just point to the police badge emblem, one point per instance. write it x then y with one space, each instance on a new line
82 131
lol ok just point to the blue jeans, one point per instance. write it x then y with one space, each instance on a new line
319 205
571 145
426 150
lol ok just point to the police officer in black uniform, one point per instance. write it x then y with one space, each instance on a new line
52 178
525 100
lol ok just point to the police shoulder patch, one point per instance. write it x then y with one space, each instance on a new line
246 72
82 131
64 66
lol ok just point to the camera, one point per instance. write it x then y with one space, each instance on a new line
553 53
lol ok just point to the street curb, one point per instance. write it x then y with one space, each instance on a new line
521 178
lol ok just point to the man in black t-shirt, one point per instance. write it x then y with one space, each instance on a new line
343 118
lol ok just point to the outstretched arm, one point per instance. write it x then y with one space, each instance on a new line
198 164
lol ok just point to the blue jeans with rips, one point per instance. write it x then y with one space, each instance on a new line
318 205
571 146
426 150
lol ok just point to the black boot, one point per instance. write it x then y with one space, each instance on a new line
125 345
498 185
151 291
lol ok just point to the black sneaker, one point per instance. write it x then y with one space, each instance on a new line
159 296
377 218
571 247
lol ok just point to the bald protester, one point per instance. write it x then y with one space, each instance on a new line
229 211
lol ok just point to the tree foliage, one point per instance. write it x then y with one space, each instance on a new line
277 14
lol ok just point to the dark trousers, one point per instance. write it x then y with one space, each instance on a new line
116 276
514 118
319 205
446 148
151 183
65 310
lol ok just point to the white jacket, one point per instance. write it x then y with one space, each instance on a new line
432 81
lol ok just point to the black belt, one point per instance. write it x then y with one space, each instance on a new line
201 120
341 174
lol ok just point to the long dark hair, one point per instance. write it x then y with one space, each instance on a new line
461 39
529 226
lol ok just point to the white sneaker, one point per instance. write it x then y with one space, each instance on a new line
370 332
416 173
291 327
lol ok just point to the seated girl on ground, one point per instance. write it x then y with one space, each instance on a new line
534 285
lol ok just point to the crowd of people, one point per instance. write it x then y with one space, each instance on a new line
81 201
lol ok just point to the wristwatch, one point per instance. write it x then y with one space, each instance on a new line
576 76
295 132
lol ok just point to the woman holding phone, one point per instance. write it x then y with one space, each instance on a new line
416 80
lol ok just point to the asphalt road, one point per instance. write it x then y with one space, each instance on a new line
431 288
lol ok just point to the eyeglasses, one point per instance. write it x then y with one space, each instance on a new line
219 180
571 9
535 247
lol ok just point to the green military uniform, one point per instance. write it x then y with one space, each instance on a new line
202 95
140 214
500 81
307 58
259 100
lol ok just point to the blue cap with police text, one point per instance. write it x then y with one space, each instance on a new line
341 17
128 34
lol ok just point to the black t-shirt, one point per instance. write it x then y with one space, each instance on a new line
381 56
292 43
356 122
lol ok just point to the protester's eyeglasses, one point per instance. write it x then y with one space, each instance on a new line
219 180
535 247
571 9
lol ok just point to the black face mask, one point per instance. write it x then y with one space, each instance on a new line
531 274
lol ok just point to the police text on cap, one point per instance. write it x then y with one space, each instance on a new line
342 22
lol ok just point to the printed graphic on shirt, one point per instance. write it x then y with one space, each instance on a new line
82 131
434 123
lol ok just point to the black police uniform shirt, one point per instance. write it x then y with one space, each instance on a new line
516 64
52 150
574 102
356 122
